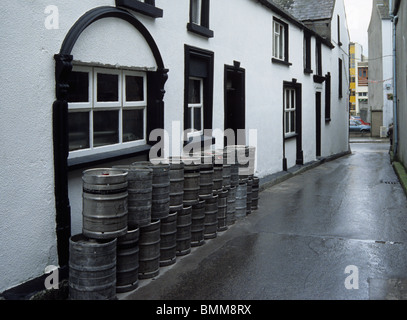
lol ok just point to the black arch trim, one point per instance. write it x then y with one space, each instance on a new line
63 67
108 12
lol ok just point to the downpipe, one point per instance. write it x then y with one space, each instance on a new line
395 121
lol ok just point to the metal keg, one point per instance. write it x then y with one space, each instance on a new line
176 184
191 180
149 250
231 208
127 263
160 202
211 217
184 223
230 159
241 200
92 268
222 210
255 193
168 242
197 224
140 189
249 196
104 205
206 177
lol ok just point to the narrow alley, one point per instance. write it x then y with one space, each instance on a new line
309 230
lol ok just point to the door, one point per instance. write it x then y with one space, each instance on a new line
318 123
235 113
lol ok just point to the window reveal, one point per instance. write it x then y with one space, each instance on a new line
107 108
289 111
195 105
278 41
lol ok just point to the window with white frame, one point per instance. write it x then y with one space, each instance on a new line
289 111
195 105
278 41
107 110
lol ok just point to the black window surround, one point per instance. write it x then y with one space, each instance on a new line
328 97
307 53
201 29
63 67
318 77
298 129
340 65
199 63
284 62
339 31
146 7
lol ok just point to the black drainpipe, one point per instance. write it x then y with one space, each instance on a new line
61 151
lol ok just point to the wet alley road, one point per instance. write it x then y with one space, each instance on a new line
308 229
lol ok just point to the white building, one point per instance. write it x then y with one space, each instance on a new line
140 66
380 66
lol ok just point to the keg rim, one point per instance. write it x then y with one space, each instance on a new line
99 175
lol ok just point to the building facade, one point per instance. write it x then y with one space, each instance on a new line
91 82
380 67
359 75
399 18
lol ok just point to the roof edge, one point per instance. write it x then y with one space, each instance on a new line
280 11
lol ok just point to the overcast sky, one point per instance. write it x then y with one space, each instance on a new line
358 13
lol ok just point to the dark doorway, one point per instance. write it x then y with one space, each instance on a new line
235 113
318 123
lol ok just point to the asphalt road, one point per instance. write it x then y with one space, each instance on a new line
336 232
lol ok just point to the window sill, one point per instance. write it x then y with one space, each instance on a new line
308 71
202 141
290 136
319 79
141 7
202 31
97 159
282 62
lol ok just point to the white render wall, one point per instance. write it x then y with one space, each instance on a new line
243 32
387 84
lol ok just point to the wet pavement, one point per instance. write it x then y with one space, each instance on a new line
297 246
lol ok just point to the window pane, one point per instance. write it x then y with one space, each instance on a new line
78 87
292 99
133 125
292 121
196 7
281 43
188 124
287 99
105 128
194 95
287 122
197 119
107 87
78 126
134 88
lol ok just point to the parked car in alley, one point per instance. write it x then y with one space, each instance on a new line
357 118
357 126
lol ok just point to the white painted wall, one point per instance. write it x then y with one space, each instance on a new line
335 137
27 206
387 84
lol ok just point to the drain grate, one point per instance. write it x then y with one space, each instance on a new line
391 182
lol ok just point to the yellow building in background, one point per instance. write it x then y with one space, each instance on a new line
352 74
358 73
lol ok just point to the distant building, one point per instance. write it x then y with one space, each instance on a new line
380 67
359 75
